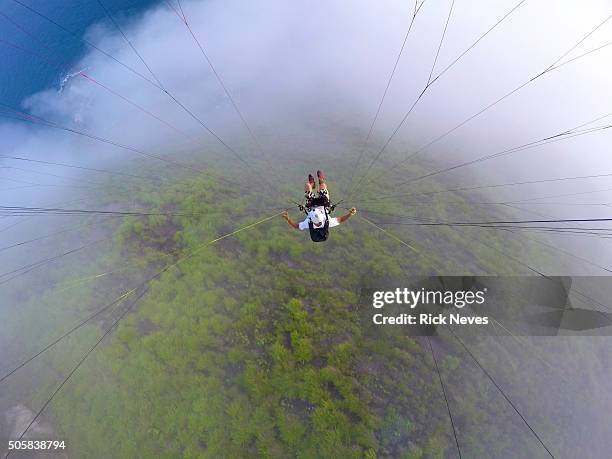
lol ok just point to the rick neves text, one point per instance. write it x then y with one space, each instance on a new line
429 319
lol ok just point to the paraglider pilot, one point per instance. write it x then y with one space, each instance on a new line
318 206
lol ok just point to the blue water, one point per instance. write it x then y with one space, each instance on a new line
23 74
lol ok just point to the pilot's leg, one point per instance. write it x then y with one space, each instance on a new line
323 190
309 187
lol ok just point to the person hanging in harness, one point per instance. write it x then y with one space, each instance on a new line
318 208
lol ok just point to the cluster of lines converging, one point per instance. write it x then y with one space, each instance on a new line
360 176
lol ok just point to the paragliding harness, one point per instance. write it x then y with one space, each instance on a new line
319 234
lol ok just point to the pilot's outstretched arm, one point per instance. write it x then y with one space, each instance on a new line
287 218
350 213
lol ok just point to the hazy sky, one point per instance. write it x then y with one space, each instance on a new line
307 60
